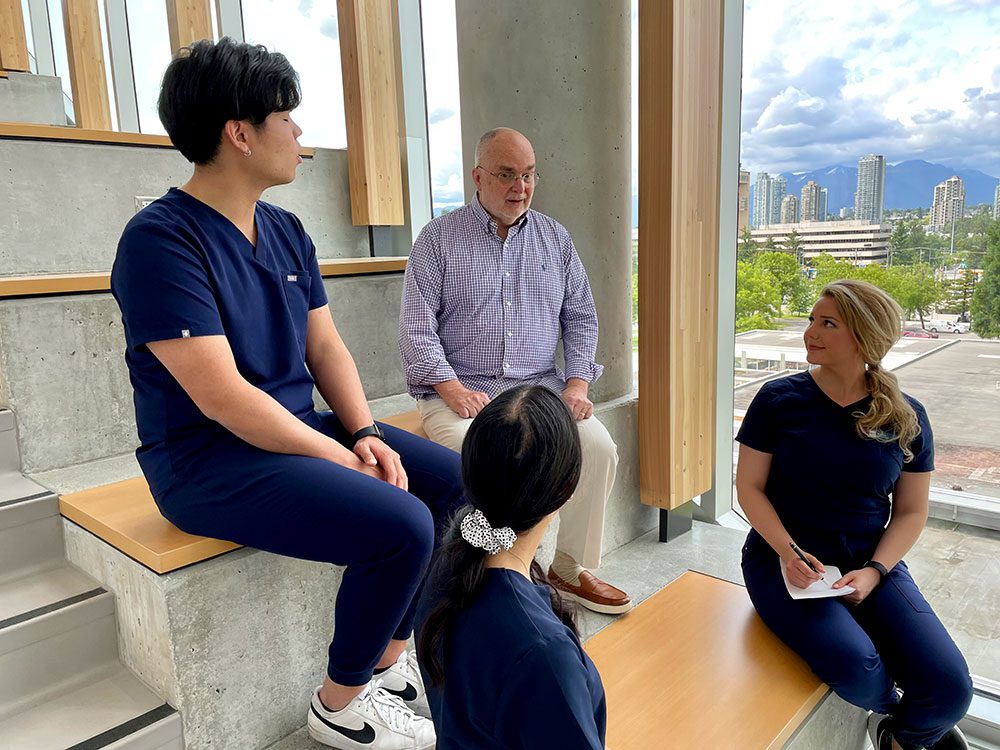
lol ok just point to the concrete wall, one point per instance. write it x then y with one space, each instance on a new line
65 204
62 367
26 97
559 72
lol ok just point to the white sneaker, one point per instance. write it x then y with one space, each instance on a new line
403 680
374 720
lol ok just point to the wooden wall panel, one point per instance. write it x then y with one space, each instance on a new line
86 64
189 21
680 65
13 43
368 51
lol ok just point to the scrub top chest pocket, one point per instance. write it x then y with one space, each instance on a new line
296 286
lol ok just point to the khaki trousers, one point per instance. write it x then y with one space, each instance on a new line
581 520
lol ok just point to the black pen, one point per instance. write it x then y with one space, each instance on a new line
802 557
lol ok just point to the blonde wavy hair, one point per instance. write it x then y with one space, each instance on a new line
875 320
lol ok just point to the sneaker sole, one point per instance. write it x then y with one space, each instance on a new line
604 609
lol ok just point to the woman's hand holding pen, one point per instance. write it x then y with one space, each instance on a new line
864 581
803 569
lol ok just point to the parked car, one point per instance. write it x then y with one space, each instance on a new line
948 326
919 333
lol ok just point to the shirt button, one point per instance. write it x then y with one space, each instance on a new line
509 334
508 304
506 273
506 366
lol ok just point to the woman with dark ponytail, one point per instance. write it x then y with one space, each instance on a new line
835 466
500 652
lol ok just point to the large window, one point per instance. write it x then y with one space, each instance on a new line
307 34
854 164
136 53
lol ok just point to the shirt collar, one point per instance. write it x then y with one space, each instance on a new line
490 223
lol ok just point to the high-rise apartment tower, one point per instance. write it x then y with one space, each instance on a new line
870 196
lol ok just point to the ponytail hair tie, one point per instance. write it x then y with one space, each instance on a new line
477 531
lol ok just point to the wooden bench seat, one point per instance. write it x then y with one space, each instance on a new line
694 667
125 516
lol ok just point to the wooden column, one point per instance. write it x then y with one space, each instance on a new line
368 52
86 64
680 65
189 21
13 43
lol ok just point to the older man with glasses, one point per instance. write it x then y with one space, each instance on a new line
490 290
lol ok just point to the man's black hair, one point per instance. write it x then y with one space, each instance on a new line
210 83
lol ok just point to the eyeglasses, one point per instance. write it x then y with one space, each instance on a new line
508 178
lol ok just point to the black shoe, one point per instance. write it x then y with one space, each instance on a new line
953 740
880 731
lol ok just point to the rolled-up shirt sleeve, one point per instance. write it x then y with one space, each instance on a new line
578 319
420 347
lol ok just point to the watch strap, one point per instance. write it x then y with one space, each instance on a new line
882 570
372 430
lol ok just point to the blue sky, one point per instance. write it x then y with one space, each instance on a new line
827 82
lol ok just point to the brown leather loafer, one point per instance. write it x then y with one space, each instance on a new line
593 593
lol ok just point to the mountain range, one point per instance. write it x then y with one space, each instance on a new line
909 184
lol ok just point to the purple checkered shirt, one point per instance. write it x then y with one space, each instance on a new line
491 312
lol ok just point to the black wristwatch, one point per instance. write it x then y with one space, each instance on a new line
372 430
882 571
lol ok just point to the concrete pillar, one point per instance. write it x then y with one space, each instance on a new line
558 71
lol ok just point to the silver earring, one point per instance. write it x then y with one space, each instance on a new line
247 152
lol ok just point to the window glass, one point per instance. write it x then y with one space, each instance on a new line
307 33
149 41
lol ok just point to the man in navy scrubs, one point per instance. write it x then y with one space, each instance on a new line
228 330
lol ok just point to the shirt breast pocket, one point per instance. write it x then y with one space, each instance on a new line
296 286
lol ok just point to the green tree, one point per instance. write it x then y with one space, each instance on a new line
915 288
793 245
757 298
748 247
958 292
784 272
985 309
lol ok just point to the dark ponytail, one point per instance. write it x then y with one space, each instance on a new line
520 462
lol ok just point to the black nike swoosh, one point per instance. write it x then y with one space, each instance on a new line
409 693
365 735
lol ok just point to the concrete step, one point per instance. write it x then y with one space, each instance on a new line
115 711
56 649
31 539
26 597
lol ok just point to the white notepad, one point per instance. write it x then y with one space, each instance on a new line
820 589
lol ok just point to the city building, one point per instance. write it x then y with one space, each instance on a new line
762 200
824 196
789 210
949 202
846 213
996 202
870 196
743 192
811 198
779 187
860 242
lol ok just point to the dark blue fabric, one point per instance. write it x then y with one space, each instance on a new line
832 490
516 678
823 474
183 270
892 638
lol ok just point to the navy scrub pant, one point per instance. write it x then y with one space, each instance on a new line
313 509
893 638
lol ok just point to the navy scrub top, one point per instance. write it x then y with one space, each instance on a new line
515 676
183 270
823 474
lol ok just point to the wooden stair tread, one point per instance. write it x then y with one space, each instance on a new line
125 516
694 666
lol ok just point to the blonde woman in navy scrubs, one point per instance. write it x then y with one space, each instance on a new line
228 330
837 461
